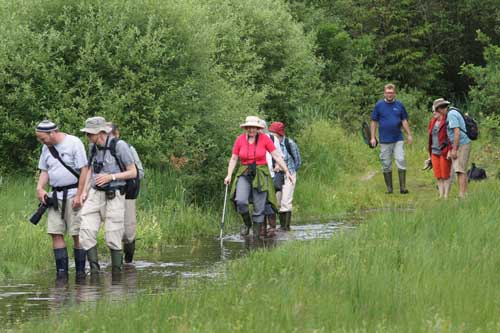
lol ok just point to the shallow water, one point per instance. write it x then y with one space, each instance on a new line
35 297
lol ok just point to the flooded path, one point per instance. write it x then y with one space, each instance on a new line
39 295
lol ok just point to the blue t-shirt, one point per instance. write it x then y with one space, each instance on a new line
453 120
389 117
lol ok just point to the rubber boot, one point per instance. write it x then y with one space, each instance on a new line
271 219
288 220
116 261
79 262
402 181
283 221
129 250
256 230
247 224
61 257
388 182
93 259
263 230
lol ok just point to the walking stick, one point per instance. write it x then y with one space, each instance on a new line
223 214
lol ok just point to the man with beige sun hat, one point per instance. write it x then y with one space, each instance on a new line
105 201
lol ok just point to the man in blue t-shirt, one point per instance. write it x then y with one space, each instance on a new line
391 115
460 143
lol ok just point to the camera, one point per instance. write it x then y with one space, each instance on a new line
98 166
42 207
252 170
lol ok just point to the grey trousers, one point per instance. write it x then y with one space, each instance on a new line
245 192
387 151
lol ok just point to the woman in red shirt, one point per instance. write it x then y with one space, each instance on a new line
253 180
438 147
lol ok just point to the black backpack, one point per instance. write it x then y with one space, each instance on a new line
476 173
472 130
132 186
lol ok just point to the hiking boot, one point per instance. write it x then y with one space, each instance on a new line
402 181
129 250
247 224
282 221
271 219
79 262
61 257
116 261
388 182
288 219
93 260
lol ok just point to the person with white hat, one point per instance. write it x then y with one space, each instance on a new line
253 180
106 198
63 165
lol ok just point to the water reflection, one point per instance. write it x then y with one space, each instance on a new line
42 294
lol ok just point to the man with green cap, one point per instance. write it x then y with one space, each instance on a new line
111 163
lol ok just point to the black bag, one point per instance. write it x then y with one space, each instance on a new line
278 180
476 173
471 128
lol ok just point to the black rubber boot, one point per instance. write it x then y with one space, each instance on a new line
288 219
116 261
61 257
129 250
282 216
247 224
79 262
402 181
388 182
93 260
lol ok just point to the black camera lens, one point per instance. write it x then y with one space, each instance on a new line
98 166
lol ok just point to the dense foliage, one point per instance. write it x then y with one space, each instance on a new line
179 77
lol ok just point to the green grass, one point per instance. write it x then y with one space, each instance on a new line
433 269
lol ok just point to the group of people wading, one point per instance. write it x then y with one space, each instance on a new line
266 177
89 191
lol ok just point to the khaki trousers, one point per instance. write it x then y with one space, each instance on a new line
98 209
285 196
130 221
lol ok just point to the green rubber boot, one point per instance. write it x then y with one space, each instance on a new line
116 261
93 260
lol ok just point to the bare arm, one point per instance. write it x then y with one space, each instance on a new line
373 131
230 168
281 163
77 200
406 126
456 141
43 180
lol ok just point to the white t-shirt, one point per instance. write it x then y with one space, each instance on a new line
72 152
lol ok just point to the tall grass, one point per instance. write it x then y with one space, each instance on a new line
433 269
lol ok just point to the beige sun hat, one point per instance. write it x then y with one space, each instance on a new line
252 121
439 102
95 125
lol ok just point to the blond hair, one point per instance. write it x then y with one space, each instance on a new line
390 86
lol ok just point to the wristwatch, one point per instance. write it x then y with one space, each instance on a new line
113 176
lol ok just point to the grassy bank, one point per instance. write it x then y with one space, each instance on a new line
434 268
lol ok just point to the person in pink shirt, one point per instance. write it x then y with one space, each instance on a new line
253 182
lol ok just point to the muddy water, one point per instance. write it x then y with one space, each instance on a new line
41 294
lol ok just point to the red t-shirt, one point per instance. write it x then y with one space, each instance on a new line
249 153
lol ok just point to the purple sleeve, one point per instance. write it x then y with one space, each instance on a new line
375 114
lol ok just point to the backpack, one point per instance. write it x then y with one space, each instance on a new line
472 130
132 186
476 173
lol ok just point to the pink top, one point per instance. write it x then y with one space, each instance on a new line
249 153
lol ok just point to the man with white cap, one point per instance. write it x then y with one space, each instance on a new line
63 165
111 163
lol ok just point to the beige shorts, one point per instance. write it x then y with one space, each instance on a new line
98 210
130 221
70 224
460 164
